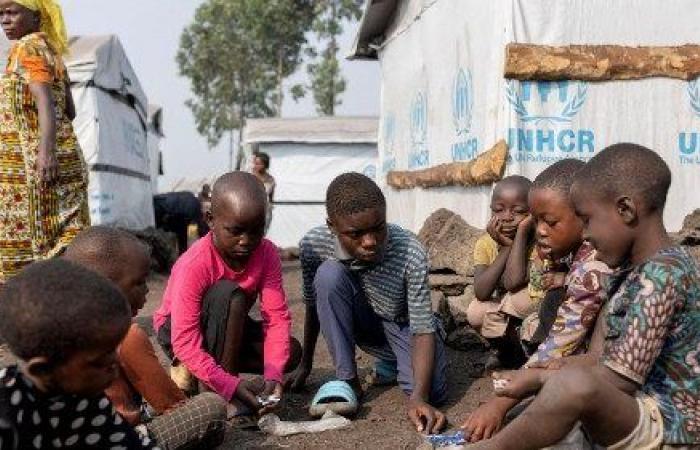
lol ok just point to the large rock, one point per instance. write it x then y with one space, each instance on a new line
690 233
450 242
458 306
449 284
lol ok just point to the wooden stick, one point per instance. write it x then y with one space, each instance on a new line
601 62
485 169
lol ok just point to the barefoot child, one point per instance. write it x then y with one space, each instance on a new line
507 273
179 423
203 322
366 284
559 236
643 393
64 323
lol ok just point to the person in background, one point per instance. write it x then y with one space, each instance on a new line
261 165
43 176
174 212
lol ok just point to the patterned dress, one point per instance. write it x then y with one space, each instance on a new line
36 222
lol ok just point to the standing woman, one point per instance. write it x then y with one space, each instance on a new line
261 165
43 177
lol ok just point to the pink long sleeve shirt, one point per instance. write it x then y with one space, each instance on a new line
193 274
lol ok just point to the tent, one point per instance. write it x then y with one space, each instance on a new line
111 124
153 139
444 97
306 155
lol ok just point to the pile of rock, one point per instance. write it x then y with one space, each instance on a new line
449 241
689 235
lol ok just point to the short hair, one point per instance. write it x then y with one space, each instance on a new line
264 157
519 182
244 186
351 193
54 308
559 176
629 169
103 249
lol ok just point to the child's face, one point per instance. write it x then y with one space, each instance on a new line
510 206
603 226
362 235
558 228
86 372
133 280
238 229
258 165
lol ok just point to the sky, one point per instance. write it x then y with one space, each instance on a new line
150 32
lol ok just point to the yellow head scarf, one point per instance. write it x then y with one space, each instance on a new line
52 23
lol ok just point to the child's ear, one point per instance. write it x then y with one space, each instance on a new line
330 225
40 368
627 209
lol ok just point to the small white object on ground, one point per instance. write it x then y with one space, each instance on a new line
500 384
271 424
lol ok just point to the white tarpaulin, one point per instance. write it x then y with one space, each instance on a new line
111 127
306 155
444 97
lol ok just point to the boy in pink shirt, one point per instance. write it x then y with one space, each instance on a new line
203 322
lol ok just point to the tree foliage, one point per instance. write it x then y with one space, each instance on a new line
326 81
236 53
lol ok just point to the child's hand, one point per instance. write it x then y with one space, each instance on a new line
553 280
484 421
297 379
494 230
526 225
272 389
247 393
425 418
517 384
551 364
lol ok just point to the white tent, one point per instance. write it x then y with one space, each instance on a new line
154 138
444 97
306 155
112 113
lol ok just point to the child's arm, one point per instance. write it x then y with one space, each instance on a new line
138 359
277 322
515 275
488 272
309 265
486 278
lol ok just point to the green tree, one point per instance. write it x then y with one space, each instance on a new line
327 82
236 53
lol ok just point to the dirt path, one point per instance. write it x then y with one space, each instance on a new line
381 423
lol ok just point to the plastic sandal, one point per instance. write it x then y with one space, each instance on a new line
336 396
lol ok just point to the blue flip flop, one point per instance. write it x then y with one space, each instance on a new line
336 396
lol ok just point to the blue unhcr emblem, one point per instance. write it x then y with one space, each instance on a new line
462 102
465 147
566 104
689 140
419 132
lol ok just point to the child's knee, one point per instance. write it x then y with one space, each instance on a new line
330 274
295 355
476 311
576 386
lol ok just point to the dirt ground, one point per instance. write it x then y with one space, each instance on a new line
381 422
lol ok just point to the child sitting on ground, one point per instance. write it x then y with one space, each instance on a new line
643 393
559 236
507 273
203 322
180 423
64 323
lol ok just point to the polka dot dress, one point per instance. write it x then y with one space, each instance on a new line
33 420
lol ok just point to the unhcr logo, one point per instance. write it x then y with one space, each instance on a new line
418 156
689 141
462 107
389 135
545 111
